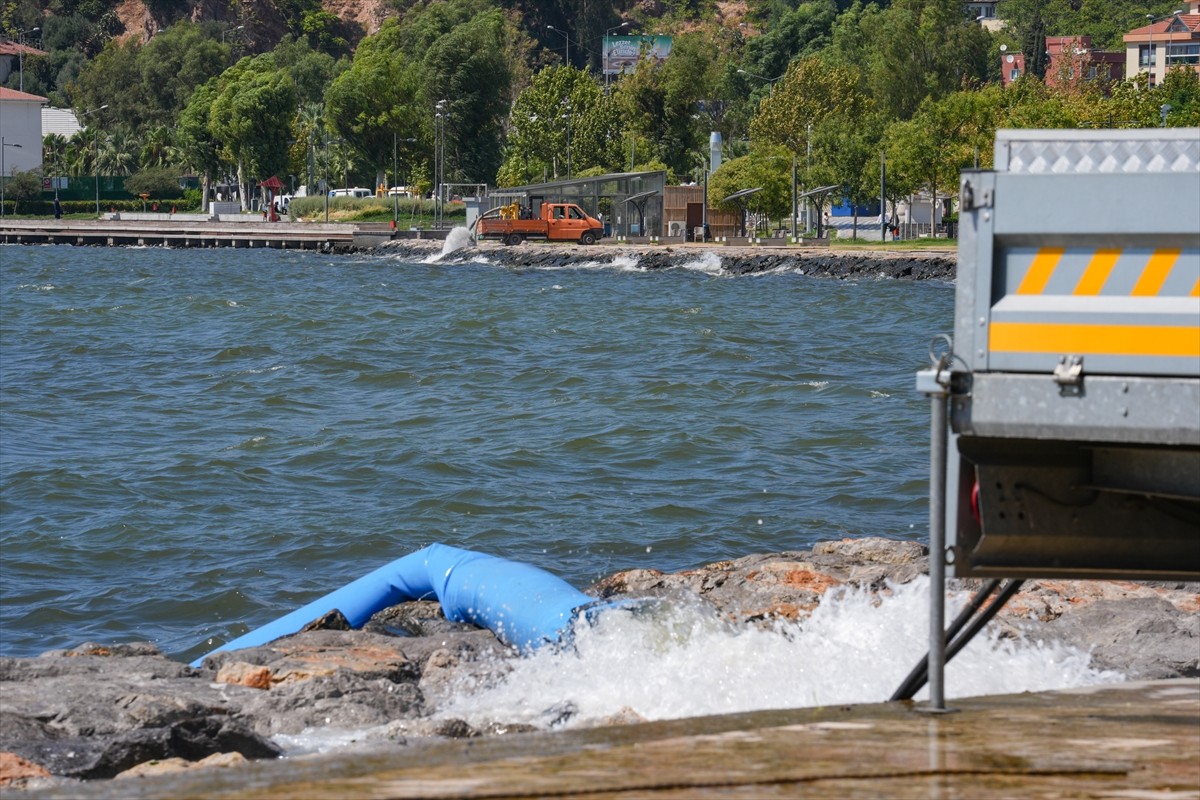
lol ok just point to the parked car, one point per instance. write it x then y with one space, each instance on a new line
357 191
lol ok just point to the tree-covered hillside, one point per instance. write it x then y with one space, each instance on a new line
513 92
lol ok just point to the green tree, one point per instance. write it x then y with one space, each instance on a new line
54 154
23 186
792 32
661 104
1180 89
941 139
373 103
537 139
251 117
323 30
475 108
846 153
197 145
809 92
911 50
148 85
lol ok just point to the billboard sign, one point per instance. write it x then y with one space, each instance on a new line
621 53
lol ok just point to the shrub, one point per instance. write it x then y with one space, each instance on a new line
158 182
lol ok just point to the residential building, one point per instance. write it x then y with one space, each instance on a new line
1166 43
1073 61
21 130
12 55
1012 66
984 11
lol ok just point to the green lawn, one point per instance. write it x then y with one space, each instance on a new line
903 244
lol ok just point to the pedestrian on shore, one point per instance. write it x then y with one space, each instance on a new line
57 208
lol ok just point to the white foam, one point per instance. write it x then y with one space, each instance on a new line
458 238
678 661
709 263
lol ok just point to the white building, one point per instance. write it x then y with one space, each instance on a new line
61 121
21 130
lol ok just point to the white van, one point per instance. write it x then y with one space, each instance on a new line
355 192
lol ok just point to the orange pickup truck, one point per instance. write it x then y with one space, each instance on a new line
558 222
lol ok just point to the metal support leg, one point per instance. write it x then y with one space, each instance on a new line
937 550
935 382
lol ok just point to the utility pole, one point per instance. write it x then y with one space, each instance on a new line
883 226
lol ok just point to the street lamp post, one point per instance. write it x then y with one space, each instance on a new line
3 144
21 54
96 161
769 81
439 159
325 147
567 56
396 179
567 116
1150 46
607 50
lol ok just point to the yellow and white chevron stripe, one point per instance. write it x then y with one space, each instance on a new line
1132 301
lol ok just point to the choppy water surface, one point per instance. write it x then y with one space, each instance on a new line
195 442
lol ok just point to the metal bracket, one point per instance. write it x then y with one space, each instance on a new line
1069 376
967 201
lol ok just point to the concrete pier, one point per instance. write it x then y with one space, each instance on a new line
194 231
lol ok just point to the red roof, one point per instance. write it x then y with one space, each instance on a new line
13 94
272 183
1162 27
10 48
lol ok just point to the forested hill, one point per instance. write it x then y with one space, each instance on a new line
511 91
339 25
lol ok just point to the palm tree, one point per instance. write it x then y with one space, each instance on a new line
156 148
80 154
117 152
54 151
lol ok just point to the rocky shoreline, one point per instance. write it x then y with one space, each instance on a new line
815 261
98 712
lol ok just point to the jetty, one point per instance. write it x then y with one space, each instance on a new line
200 230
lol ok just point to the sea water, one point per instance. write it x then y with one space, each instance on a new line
194 442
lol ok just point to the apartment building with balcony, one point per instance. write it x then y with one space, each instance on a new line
1165 43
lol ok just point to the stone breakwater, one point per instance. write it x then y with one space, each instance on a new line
107 711
821 262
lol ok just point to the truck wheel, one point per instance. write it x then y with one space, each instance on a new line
512 238
587 238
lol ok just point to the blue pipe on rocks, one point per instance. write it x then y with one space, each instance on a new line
525 606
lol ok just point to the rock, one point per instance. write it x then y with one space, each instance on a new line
170 765
92 716
97 711
15 770
104 756
879 264
243 674
335 620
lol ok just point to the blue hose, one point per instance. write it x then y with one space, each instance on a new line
524 606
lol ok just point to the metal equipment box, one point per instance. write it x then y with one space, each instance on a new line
1074 383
